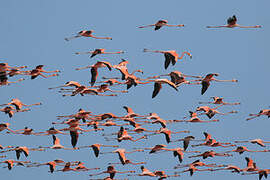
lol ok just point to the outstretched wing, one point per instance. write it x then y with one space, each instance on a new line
205 85
157 88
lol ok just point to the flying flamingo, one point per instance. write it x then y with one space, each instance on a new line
145 172
229 167
179 152
69 83
81 114
122 154
22 149
211 153
259 142
196 120
213 143
99 51
18 104
4 81
80 167
167 133
111 170
186 140
158 85
170 56
161 23
96 148
232 22
4 126
130 113
11 162
242 149
219 100
94 69
177 77
10 110
51 164
87 33
265 112
123 135
50 131
210 112
127 161
192 169
111 81
198 163
57 145
205 82
156 148
262 173
39 71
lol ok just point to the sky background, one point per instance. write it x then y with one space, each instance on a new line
33 32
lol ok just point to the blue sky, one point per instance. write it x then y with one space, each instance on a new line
33 32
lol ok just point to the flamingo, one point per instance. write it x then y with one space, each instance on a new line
69 83
123 135
10 110
56 144
211 153
122 154
179 152
210 112
111 170
4 126
162 175
229 167
80 167
262 173
22 149
51 164
198 163
50 131
86 33
39 71
192 169
232 22
259 142
4 81
161 23
19 104
127 161
195 119
11 162
81 114
167 133
96 148
158 85
208 78
213 143
94 69
170 56
242 149
219 100
99 51
265 112
177 77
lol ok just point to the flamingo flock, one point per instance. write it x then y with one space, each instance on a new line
132 127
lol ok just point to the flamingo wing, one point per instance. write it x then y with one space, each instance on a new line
205 85
74 137
94 76
96 150
157 88
168 59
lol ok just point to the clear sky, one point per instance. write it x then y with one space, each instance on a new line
33 32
